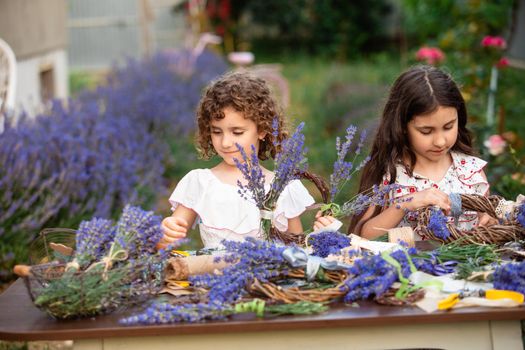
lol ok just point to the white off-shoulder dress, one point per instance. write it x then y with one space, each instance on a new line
224 214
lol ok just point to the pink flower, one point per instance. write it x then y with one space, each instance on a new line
431 55
503 62
494 41
495 144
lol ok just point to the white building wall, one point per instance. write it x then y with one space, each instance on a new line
28 91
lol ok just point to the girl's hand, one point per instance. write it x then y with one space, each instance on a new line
430 196
322 221
485 219
174 229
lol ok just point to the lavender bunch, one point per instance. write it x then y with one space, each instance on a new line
252 172
93 239
373 275
138 232
344 170
328 242
376 196
164 313
289 163
252 259
510 276
124 267
437 224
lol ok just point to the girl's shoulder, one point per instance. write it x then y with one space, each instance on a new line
196 178
198 174
467 166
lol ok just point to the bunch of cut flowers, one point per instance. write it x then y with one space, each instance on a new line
113 265
290 163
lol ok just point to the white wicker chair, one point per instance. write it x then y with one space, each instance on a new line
7 81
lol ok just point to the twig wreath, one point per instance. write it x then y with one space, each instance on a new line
432 223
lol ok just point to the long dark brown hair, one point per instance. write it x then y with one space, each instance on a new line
418 91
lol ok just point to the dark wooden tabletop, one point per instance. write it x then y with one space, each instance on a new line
21 320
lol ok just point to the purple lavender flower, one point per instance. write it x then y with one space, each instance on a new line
510 276
342 171
164 313
93 239
138 232
252 173
328 242
376 196
289 163
438 224
520 215
369 276
251 259
372 275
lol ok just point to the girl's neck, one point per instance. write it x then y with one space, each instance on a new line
433 170
230 174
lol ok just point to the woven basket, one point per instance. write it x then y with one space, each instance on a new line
507 230
67 294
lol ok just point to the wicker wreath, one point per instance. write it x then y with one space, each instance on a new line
505 231
299 239
295 294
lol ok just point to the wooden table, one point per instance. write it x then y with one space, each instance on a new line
369 326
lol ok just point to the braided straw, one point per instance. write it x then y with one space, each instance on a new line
294 294
299 239
509 230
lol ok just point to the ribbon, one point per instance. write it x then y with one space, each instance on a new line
256 305
299 258
455 206
107 261
267 214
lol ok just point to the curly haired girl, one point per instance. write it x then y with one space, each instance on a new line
237 109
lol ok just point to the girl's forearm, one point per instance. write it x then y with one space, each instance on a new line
387 219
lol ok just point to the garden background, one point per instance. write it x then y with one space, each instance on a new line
125 135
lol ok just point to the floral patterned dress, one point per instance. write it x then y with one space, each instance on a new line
463 176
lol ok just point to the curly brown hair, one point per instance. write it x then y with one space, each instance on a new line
248 95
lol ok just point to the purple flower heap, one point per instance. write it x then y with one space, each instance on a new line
328 242
289 163
251 259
